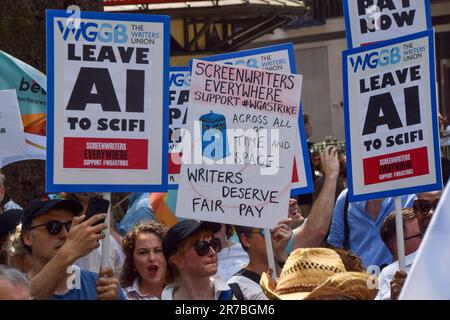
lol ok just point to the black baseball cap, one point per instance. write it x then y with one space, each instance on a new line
39 207
183 230
9 221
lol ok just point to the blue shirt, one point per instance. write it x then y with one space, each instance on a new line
364 238
139 210
87 289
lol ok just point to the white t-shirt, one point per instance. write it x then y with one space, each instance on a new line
387 274
250 289
93 260
231 260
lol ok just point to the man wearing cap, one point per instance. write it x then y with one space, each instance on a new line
191 254
55 237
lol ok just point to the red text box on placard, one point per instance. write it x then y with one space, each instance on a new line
395 166
100 153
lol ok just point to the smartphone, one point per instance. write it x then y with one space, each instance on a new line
96 206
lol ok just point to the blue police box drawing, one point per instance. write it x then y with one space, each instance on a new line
218 142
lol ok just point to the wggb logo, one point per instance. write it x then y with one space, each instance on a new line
376 59
91 32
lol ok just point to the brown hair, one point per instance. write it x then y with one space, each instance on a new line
129 272
387 230
172 271
351 261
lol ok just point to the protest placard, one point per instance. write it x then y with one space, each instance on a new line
12 138
237 168
179 83
107 102
369 21
391 118
278 58
30 86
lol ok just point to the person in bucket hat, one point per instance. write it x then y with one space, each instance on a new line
317 273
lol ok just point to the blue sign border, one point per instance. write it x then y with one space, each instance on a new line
50 186
402 191
348 29
270 49
174 186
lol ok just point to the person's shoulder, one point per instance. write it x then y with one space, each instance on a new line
389 270
341 198
167 293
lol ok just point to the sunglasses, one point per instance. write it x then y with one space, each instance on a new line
54 227
202 246
422 207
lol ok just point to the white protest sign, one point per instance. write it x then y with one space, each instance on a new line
233 172
391 118
12 137
369 21
107 102
179 83
277 58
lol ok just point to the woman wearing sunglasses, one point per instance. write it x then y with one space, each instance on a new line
144 270
191 254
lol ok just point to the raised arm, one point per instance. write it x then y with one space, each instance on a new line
315 228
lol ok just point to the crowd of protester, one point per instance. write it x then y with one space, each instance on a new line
50 251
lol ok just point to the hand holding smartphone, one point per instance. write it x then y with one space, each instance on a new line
97 206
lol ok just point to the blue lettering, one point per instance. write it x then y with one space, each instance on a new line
179 79
91 32
375 59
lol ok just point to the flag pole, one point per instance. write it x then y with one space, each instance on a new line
399 232
270 255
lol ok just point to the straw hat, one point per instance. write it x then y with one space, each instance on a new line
312 273
349 285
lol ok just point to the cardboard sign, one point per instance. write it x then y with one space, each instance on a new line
238 167
31 88
369 21
12 138
278 58
179 83
391 118
107 99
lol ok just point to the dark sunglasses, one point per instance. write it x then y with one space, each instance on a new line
422 207
54 227
202 246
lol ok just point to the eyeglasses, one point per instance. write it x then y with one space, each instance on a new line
422 206
413 236
54 227
202 246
